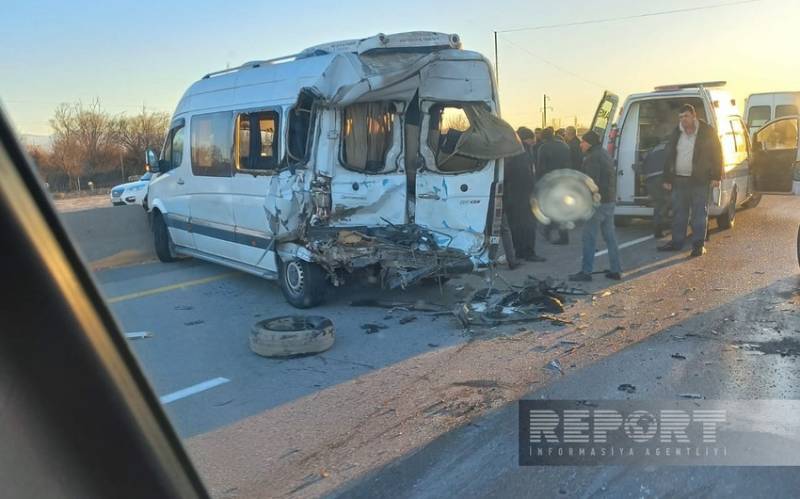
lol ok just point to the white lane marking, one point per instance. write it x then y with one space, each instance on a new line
626 245
186 392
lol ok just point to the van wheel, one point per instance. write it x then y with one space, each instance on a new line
303 284
753 201
727 219
165 249
798 246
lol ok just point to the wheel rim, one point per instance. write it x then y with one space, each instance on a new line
294 277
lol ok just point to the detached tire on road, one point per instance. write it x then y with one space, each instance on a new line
291 335
303 283
161 239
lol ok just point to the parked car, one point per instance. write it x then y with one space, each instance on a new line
131 192
764 107
382 153
646 119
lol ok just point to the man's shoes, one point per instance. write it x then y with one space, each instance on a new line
535 258
698 250
670 246
614 275
581 277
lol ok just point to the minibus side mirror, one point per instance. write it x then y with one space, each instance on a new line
151 161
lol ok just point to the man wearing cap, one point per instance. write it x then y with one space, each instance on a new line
597 164
693 166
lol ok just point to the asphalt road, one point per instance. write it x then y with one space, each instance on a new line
309 426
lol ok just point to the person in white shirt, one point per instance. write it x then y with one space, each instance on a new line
693 166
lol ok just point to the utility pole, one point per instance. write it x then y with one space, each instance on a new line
544 111
496 62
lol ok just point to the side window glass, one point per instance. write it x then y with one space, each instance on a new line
367 136
177 148
785 110
758 115
257 141
212 144
781 135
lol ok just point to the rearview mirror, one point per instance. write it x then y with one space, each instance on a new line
151 161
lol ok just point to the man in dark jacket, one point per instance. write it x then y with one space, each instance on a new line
575 153
553 155
652 170
517 189
599 166
693 166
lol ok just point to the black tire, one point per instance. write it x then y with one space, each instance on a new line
753 201
728 219
291 335
165 250
798 246
303 284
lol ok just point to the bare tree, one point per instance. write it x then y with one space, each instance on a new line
136 134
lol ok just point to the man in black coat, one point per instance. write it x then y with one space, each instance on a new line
693 166
553 155
517 189
575 153
599 166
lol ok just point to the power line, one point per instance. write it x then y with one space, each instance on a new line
626 18
560 68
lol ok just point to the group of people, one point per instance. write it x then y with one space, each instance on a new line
683 170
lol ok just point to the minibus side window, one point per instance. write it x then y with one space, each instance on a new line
367 136
212 144
257 141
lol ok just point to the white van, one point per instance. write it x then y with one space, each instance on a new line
764 107
379 154
646 119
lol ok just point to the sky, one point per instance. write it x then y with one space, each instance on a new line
130 54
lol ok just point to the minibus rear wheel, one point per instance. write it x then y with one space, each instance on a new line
163 243
303 283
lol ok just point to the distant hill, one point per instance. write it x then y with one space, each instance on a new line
43 141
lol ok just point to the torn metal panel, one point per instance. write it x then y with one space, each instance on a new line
287 205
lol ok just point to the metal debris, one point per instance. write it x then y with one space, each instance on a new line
371 328
691 396
678 356
555 365
407 319
627 388
537 300
138 335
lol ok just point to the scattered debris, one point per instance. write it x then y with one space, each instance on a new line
433 345
193 323
407 319
678 356
618 328
785 347
184 307
586 403
605 294
138 335
535 301
371 328
555 365
418 306
627 388
696 396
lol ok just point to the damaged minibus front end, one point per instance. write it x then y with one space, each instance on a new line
403 169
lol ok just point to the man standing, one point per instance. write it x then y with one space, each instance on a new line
574 143
652 170
693 166
600 168
553 155
517 189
